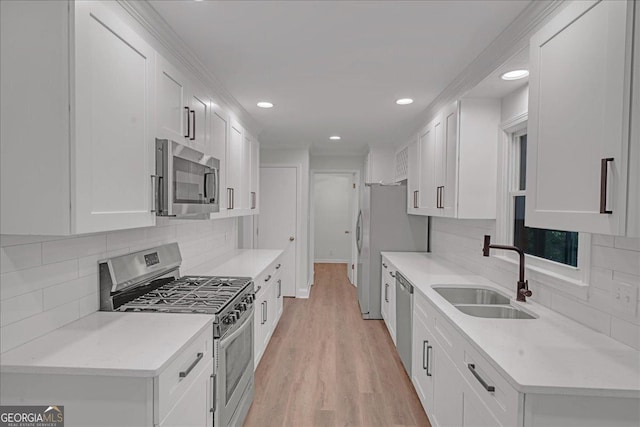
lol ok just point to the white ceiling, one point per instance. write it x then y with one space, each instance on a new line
494 87
337 67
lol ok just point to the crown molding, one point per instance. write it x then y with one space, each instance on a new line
509 42
157 26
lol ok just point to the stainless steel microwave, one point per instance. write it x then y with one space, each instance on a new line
186 183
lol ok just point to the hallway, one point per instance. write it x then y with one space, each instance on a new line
325 366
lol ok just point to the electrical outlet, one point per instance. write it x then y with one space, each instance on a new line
625 298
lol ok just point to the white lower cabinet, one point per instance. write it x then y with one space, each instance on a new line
458 386
268 307
388 297
188 411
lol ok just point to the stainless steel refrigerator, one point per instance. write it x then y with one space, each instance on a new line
383 225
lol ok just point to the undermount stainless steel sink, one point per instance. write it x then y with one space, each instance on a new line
494 311
462 295
481 302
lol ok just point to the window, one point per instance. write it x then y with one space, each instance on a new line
553 245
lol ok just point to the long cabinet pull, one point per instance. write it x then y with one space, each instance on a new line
425 362
183 374
481 380
188 127
193 114
262 308
428 367
386 292
415 199
604 176
279 288
253 200
229 206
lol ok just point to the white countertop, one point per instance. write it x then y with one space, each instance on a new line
550 354
241 263
108 343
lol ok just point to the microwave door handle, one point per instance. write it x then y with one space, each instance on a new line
216 188
206 174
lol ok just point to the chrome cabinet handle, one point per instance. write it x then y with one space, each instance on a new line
386 292
193 114
604 176
429 348
279 288
229 198
392 274
268 278
183 374
262 308
253 200
188 123
415 199
481 380
384 265
278 266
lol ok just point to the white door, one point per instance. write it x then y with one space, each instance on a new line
333 217
199 121
115 135
578 117
234 166
413 178
277 219
218 149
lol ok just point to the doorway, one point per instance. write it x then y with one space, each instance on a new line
334 205
278 219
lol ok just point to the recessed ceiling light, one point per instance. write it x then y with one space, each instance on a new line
264 104
515 75
404 101
335 138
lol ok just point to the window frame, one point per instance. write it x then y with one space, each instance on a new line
542 269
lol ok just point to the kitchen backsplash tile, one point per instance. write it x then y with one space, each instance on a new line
47 282
612 259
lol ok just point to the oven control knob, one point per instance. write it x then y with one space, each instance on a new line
243 306
232 318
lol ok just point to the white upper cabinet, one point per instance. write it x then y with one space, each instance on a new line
379 166
247 197
82 161
114 112
218 148
235 158
413 177
255 177
457 159
579 108
171 107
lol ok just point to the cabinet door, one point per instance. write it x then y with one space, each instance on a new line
255 176
234 166
199 113
428 175
391 310
114 143
413 178
447 395
449 176
171 107
218 149
246 173
475 413
421 375
578 118
194 407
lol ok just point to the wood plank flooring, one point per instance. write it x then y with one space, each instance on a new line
326 366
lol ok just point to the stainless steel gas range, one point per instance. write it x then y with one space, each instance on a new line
149 281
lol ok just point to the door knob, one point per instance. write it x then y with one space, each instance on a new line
291 239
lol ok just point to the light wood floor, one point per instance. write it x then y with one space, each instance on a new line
326 366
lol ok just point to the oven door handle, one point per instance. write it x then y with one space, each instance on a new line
238 329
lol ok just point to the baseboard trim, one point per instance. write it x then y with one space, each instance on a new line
303 293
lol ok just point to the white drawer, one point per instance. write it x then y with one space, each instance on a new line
503 402
176 378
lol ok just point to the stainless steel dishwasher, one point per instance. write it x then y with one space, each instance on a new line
404 322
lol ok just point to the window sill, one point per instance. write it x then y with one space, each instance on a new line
551 279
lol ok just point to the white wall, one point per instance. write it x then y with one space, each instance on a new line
47 282
296 157
333 203
515 104
339 163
